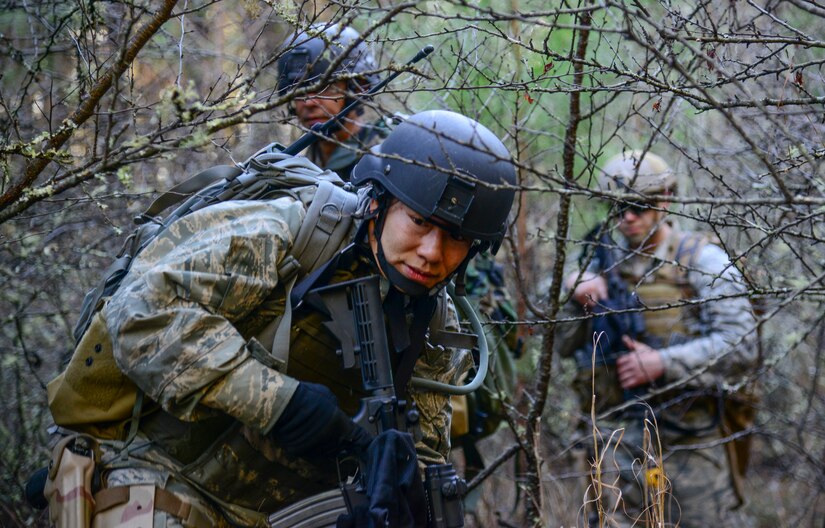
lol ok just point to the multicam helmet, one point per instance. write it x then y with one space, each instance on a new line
644 173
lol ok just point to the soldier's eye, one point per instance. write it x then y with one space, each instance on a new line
417 220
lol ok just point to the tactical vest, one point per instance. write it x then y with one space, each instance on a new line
658 283
664 283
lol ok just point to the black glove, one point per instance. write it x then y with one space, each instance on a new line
312 423
394 487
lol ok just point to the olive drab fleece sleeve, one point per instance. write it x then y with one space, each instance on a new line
727 320
172 319
446 365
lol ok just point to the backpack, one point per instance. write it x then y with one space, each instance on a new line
91 395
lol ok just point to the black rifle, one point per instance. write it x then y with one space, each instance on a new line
615 316
357 321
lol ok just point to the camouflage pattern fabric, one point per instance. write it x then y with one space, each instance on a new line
183 325
701 492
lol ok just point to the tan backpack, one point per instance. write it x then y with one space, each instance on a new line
92 395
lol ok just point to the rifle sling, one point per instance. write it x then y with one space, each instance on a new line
423 309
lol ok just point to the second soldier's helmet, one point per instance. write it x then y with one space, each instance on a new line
311 53
640 172
447 167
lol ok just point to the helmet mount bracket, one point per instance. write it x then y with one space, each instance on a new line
455 200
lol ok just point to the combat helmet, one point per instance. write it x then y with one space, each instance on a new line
448 168
311 53
636 171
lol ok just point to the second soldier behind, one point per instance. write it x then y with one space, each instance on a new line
305 63
683 318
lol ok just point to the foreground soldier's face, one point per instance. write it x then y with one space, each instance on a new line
418 249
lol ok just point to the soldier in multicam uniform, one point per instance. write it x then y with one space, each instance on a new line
701 345
307 61
224 438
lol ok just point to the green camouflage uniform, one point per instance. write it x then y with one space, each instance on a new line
688 338
347 154
183 327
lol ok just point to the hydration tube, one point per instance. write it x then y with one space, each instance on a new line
467 311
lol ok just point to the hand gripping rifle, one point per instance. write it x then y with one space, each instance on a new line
357 321
611 316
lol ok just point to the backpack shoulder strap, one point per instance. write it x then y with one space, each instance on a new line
187 188
323 231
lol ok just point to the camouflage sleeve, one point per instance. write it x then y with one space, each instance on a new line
571 335
172 319
447 366
727 336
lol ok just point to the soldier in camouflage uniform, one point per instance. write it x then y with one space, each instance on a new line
222 435
703 346
306 61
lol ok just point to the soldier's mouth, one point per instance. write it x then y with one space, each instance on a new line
418 275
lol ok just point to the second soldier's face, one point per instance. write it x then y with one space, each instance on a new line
319 107
640 227
419 250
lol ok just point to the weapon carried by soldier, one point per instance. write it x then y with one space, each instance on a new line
357 321
615 316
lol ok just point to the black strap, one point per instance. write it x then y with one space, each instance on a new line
423 309
188 188
321 276
397 320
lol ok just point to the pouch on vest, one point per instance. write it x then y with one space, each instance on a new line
92 395
69 486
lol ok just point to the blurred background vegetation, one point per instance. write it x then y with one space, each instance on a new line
105 104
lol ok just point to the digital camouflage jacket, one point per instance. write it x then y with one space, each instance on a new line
183 326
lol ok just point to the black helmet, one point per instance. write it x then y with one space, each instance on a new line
313 52
446 166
